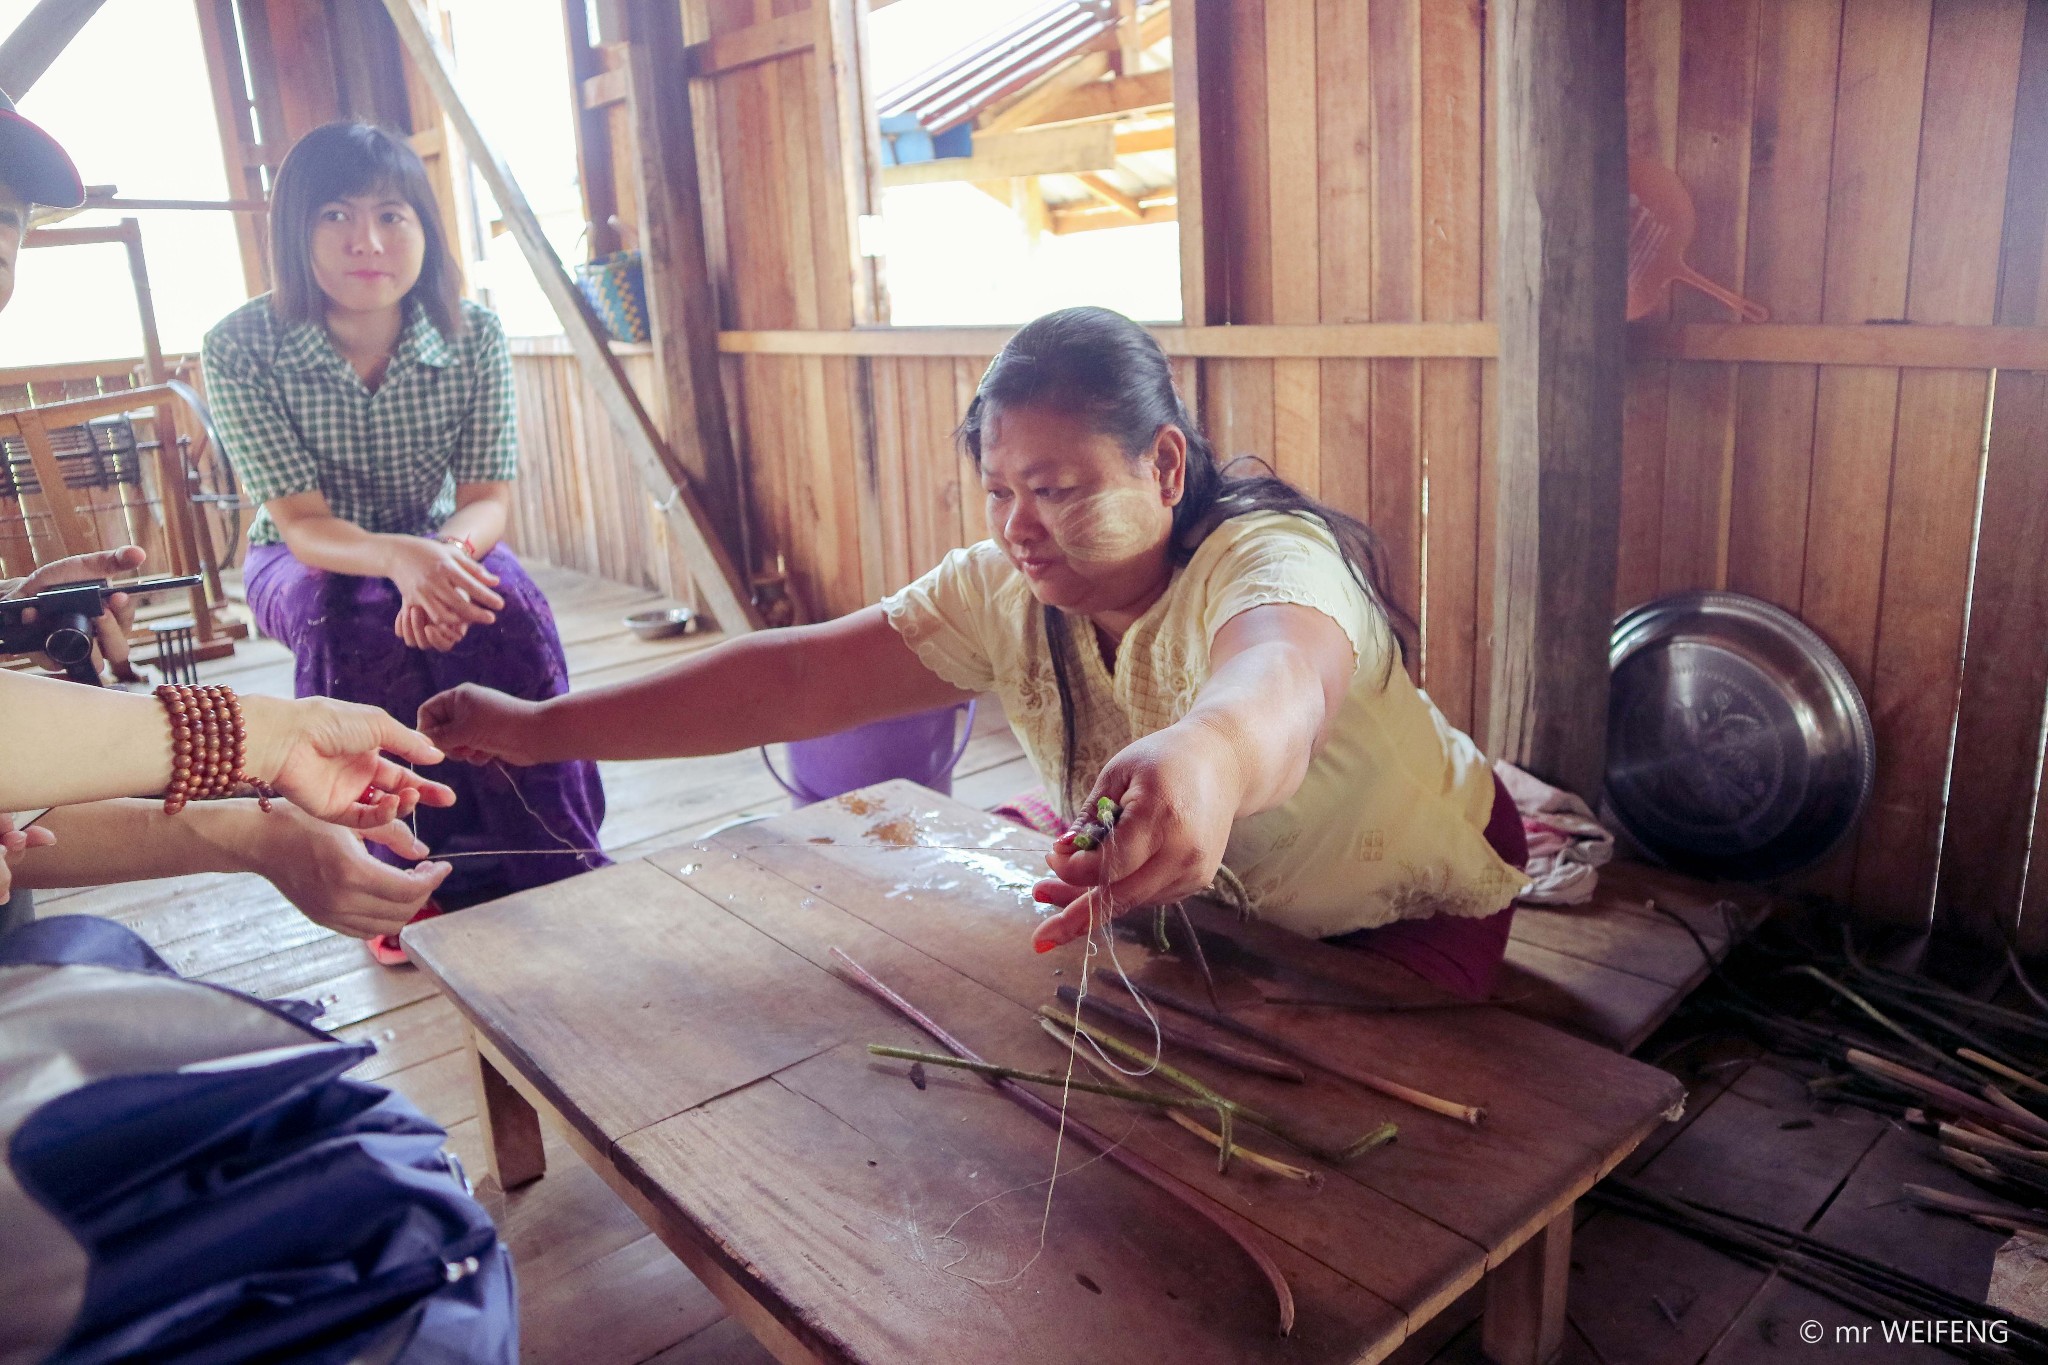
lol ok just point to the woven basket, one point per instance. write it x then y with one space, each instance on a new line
616 287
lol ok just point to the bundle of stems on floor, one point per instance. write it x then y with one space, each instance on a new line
1857 1282
1966 1071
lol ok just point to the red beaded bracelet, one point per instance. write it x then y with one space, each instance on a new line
208 744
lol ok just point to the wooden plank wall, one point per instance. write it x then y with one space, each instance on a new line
775 193
1848 162
578 502
1354 188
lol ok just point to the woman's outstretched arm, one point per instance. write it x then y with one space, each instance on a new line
62 744
764 688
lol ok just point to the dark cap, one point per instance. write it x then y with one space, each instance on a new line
33 165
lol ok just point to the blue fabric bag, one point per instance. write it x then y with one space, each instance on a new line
191 1178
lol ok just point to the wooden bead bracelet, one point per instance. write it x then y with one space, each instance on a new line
208 744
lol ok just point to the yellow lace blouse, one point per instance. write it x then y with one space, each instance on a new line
1388 823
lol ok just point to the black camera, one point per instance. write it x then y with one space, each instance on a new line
57 622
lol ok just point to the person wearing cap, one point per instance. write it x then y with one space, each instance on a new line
323 869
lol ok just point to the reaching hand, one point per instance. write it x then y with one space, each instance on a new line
1178 798
328 759
477 724
444 583
327 872
13 843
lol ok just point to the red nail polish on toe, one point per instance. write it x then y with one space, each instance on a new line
1043 947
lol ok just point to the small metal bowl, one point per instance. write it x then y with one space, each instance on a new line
662 622
1737 744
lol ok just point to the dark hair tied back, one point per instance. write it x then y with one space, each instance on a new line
1107 369
341 161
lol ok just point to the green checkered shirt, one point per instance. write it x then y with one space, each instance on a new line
296 418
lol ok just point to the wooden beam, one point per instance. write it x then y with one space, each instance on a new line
1891 345
1128 43
603 89
1024 109
1331 341
1126 204
1204 293
593 132
1112 98
1562 165
1131 141
43 32
682 303
1100 217
792 33
715 574
221 42
1000 156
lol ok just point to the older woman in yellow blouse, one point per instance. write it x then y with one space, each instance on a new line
1217 654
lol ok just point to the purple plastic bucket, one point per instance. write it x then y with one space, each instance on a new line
920 747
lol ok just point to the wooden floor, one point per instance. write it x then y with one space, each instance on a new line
597 1289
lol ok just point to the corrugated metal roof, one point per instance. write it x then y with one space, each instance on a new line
1032 47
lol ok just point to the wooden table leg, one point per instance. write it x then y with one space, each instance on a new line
1525 1298
512 1133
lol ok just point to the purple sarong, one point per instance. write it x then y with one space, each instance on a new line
338 628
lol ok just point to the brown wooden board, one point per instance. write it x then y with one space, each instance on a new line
514 965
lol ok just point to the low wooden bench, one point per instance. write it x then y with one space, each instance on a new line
1614 969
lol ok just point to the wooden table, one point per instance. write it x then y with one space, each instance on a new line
679 1016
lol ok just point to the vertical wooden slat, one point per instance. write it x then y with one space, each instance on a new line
1394 34
1881 82
1197 28
1716 86
1344 230
1294 206
1655 40
1966 139
1792 145
1870 217
1248 243
1452 43
1988 887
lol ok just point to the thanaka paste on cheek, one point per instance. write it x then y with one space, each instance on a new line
1108 527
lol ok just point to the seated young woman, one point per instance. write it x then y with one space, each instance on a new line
1216 653
369 408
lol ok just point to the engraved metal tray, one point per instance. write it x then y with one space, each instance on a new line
1737 744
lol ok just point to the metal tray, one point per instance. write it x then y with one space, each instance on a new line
1737 744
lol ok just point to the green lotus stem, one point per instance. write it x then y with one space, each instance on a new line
1223 1104
1010 1073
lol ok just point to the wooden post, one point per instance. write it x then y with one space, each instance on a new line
1563 177
716 575
35 42
511 1125
232 104
593 132
1525 1298
681 303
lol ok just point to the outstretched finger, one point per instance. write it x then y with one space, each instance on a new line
403 782
399 838
1068 925
408 744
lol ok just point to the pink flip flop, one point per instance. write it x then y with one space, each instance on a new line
388 950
